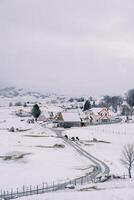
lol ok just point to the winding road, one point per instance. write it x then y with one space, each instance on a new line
101 168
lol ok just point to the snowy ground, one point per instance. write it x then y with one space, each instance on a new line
113 138
111 190
44 162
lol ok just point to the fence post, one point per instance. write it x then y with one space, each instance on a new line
37 189
1 194
87 178
23 190
11 193
81 180
58 184
17 192
4 194
30 189
7 194
65 185
43 187
26 191
53 185
46 187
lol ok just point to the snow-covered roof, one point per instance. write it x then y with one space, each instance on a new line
111 113
45 113
71 117
126 104
97 110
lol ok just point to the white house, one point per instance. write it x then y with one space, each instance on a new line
68 119
99 115
44 116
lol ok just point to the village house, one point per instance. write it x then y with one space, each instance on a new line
45 116
68 119
99 115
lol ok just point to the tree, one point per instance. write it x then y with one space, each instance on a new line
107 101
81 99
87 105
10 104
19 103
36 111
130 97
128 158
126 110
94 105
71 100
115 102
25 104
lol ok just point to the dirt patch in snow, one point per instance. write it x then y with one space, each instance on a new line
54 146
91 167
38 136
87 142
14 156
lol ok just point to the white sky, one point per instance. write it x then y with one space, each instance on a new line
75 47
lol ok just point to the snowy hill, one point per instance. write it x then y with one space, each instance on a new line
11 92
14 95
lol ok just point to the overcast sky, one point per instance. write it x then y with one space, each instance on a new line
76 47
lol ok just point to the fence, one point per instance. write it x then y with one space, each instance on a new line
44 188
114 130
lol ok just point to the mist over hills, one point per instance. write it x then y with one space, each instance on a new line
11 92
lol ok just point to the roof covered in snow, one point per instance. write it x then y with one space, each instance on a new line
71 117
126 104
97 110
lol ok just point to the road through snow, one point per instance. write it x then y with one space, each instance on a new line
102 168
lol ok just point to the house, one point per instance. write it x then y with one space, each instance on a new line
68 119
125 108
98 115
44 116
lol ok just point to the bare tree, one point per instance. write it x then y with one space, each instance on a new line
128 158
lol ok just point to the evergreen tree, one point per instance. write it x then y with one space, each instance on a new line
10 104
87 105
130 97
36 111
94 105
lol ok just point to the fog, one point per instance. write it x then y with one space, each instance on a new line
71 47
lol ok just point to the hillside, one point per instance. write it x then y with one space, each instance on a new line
11 92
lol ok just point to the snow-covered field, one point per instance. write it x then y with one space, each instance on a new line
110 142
43 161
111 190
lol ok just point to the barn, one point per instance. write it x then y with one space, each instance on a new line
68 119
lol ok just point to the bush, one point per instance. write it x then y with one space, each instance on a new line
18 103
